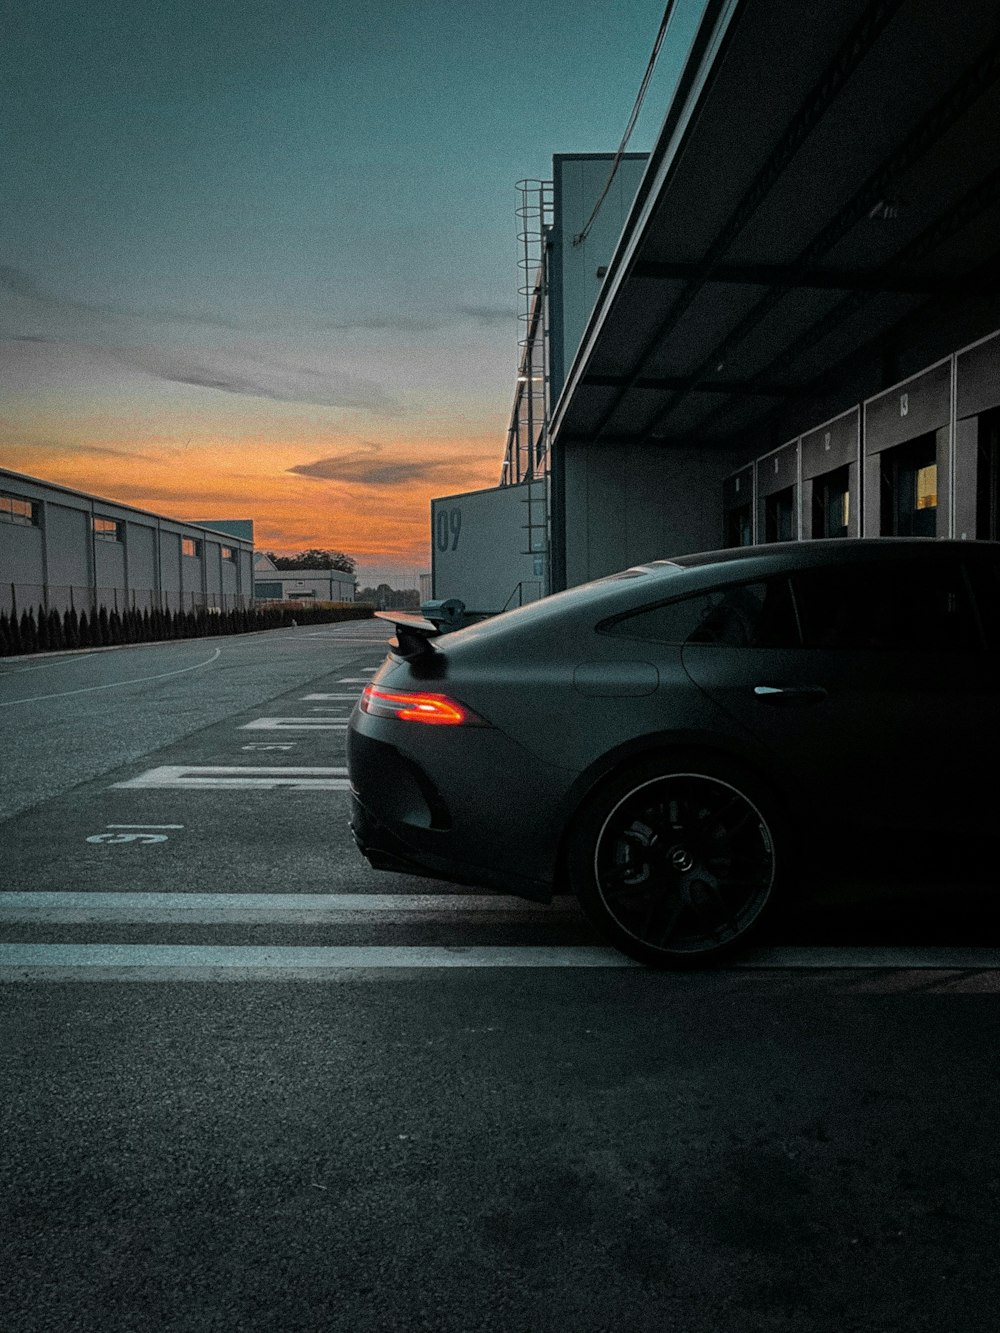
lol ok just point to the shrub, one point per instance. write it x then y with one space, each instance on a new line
50 631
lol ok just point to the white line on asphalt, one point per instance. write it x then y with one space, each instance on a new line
134 680
308 698
63 658
180 961
247 908
294 724
353 680
143 825
277 958
191 777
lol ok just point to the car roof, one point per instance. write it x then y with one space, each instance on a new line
630 588
821 551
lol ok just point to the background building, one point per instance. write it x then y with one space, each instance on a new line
62 549
300 585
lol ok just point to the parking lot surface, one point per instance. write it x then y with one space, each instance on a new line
251 1083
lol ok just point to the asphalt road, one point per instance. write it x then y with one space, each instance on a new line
383 1103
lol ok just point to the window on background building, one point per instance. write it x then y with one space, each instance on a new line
228 553
831 509
909 489
267 590
190 547
779 516
739 526
108 529
15 509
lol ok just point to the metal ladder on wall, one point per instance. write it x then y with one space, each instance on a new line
527 435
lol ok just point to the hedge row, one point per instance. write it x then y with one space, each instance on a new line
49 631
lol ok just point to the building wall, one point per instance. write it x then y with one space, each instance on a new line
61 560
628 503
191 571
320 585
578 179
70 558
170 568
941 407
140 545
21 553
481 547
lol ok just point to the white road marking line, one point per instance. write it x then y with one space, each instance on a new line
288 745
353 680
294 724
278 958
248 908
63 658
195 777
126 839
308 698
116 684
177 961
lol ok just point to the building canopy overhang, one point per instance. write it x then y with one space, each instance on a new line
825 173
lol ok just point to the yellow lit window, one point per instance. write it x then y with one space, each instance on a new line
927 487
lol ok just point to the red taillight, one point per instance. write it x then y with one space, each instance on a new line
416 706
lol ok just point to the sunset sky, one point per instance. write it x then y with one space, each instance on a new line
258 258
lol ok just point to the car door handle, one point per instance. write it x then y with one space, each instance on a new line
789 695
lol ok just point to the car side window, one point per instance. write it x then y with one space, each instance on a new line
746 615
906 605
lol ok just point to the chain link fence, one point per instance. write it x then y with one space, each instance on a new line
18 597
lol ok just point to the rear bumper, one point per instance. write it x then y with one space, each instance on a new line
385 850
471 809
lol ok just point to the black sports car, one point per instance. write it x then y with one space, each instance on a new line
670 741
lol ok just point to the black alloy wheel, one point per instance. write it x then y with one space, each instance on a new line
676 866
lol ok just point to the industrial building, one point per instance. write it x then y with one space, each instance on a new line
272 584
61 549
797 333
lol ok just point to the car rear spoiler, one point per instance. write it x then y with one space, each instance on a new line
413 632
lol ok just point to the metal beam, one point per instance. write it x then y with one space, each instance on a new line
824 92
788 276
976 201
974 81
670 383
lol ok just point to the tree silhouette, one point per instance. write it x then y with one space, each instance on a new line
314 559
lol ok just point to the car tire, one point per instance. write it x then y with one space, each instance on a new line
676 859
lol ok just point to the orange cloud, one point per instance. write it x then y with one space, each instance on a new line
371 500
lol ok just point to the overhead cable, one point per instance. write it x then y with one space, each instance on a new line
664 24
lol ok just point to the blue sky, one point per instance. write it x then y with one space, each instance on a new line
245 239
